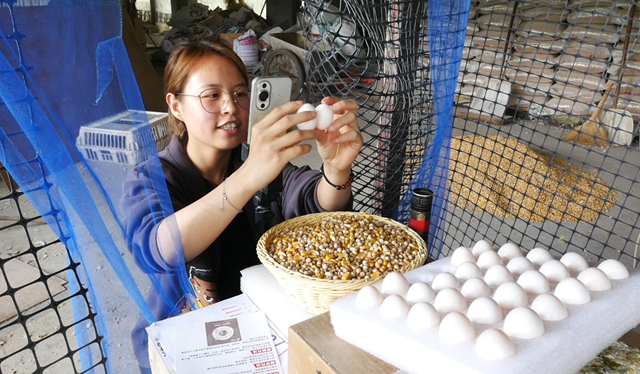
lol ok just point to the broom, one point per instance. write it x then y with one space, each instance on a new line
590 132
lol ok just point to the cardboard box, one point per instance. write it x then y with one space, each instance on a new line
229 38
314 348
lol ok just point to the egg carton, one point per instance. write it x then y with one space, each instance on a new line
487 311
123 137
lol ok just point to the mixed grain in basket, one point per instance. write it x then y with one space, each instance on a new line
344 247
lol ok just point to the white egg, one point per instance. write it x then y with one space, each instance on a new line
474 288
468 270
574 262
462 254
534 282
394 306
368 296
310 124
445 280
488 259
554 270
484 310
493 344
519 265
450 300
420 293
614 269
395 284
497 274
549 307
455 327
509 251
422 316
594 279
523 323
539 256
510 295
324 116
572 291
480 247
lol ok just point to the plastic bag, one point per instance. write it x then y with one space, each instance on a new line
536 42
534 81
602 34
490 7
474 80
518 89
597 16
490 70
496 20
558 104
543 13
582 64
490 57
582 95
544 28
594 82
519 76
583 49
631 68
246 47
540 60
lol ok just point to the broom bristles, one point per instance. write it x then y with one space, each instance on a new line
589 133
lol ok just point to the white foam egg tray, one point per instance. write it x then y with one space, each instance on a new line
487 311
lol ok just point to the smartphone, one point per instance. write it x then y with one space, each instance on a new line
267 93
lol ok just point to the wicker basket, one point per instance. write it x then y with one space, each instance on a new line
313 294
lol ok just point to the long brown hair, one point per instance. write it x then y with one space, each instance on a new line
182 59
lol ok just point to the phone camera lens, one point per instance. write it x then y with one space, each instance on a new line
263 96
264 85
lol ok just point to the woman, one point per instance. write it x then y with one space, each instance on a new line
211 189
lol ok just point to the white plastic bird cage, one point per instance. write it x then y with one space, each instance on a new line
122 138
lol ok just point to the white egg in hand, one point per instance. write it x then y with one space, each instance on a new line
395 284
394 306
549 307
310 124
455 327
523 323
614 269
368 296
493 344
422 316
324 116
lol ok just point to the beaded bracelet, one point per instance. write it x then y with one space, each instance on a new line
338 187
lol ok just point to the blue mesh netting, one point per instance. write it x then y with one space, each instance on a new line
64 65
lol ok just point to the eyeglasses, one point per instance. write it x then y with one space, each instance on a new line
214 100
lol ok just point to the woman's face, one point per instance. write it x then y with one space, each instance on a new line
226 129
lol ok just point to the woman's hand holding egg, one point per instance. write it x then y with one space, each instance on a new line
324 117
340 144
